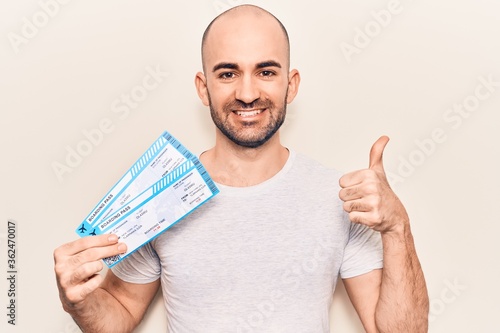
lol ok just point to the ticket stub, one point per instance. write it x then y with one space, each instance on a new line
167 183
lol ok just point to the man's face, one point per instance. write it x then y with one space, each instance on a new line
246 71
247 124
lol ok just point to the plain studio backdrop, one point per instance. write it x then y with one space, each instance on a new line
78 108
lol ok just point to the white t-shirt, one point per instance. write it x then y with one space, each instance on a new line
263 258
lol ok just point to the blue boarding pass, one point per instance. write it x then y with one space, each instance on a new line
164 185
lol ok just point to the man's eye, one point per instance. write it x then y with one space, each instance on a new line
267 73
226 76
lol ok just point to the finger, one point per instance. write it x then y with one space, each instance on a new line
355 178
376 154
83 273
362 218
66 266
356 206
96 253
79 293
350 179
351 193
86 243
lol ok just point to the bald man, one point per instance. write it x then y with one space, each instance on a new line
264 255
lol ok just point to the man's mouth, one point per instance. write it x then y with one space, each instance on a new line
248 113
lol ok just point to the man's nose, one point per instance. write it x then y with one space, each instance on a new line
247 90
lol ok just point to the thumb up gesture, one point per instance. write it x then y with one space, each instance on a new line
369 199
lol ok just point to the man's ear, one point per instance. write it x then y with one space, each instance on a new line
200 81
293 85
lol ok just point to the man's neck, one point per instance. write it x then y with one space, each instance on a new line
232 165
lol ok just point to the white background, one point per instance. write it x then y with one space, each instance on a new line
63 78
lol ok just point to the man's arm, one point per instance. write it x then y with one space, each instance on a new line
392 299
397 295
364 293
97 305
402 281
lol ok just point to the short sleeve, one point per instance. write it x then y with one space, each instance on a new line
142 266
363 252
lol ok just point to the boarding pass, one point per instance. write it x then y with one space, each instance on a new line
164 185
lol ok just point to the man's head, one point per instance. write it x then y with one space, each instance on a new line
246 11
246 80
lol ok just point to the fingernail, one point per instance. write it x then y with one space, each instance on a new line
112 238
122 248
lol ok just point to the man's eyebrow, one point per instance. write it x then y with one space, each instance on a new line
225 65
230 65
269 63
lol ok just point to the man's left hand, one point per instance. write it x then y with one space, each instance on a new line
369 199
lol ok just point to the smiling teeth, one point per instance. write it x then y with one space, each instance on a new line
248 113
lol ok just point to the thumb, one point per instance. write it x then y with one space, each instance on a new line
376 154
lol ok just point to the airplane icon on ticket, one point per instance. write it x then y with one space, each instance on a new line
82 229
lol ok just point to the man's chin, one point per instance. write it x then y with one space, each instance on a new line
253 144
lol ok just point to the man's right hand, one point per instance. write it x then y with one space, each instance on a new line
77 265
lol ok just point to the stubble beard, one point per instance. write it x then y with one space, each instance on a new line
260 135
